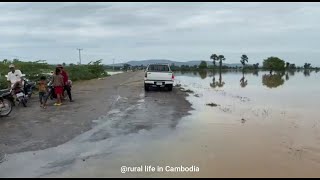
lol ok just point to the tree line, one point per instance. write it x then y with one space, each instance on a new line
271 63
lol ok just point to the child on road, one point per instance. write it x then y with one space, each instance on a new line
43 90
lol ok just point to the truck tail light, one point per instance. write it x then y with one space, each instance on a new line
145 75
172 76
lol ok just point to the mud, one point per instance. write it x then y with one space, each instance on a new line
33 128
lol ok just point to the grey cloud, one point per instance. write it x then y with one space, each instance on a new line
160 30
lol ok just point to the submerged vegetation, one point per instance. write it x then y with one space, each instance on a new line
212 104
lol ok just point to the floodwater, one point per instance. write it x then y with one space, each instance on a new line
262 126
114 72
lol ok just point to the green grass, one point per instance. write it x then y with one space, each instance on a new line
34 69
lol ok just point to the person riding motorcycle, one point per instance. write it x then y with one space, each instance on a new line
14 79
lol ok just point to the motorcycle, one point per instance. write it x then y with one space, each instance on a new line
5 104
21 97
51 92
28 86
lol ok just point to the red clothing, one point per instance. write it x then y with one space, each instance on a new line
65 77
58 90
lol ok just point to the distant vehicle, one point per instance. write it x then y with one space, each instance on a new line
158 75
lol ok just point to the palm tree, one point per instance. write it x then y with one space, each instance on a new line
287 65
244 59
214 58
221 58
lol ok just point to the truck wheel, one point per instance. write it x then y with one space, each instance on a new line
170 87
146 87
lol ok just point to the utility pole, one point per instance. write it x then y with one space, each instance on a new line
79 55
113 64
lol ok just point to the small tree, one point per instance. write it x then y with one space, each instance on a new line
307 65
287 65
256 66
273 63
203 65
292 66
126 67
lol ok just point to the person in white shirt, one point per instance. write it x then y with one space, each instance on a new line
14 77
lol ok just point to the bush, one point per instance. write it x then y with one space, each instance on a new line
274 63
3 82
203 65
34 69
86 72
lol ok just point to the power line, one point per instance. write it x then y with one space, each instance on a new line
80 55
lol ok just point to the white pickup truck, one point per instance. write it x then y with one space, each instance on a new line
158 75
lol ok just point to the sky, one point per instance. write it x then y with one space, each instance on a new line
157 30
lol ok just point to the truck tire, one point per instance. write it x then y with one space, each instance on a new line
146 87
170 87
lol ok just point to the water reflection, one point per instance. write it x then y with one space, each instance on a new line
203 74
218 79
291 72
195 73
272 80
306 72
243 82
215 83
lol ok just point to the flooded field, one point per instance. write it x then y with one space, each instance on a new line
251 125
114 72
260 125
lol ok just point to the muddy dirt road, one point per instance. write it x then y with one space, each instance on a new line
33 128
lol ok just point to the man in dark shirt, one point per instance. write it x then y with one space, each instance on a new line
66 82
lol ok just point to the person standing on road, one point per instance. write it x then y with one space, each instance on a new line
43 91
67 85
58 86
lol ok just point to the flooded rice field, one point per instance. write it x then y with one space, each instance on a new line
251 125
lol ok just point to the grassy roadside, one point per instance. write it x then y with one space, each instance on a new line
33 70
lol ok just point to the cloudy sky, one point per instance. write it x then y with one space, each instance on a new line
176 31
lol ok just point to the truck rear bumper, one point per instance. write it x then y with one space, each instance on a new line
158 82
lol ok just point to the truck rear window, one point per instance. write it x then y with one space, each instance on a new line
158 68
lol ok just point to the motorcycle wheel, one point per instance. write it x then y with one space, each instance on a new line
6 110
